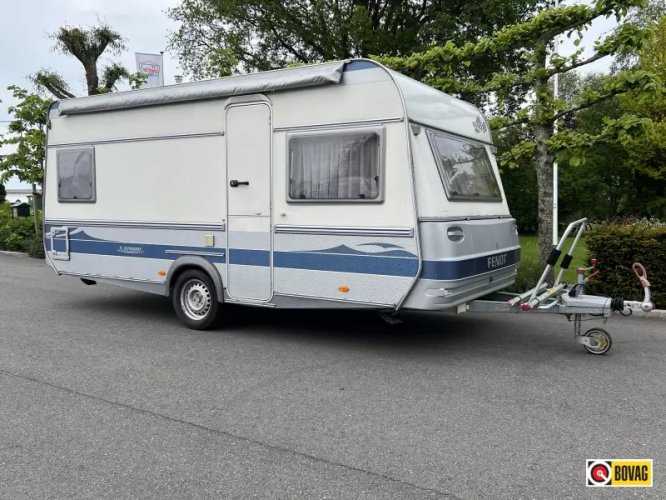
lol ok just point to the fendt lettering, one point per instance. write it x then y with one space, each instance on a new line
497 261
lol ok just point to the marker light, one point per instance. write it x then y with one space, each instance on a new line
343 288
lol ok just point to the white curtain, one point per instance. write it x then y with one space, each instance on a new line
334 167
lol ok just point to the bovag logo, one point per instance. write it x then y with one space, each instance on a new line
602 472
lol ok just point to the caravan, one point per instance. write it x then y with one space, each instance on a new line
342 185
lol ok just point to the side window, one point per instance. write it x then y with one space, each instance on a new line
76 174
343 166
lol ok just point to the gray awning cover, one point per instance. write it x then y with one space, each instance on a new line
269 81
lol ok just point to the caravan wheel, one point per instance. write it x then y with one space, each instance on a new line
602 341
195 301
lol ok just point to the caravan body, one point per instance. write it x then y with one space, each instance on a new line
335 185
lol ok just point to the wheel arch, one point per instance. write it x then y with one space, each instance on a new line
186 262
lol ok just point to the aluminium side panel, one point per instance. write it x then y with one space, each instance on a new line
160 195
361 252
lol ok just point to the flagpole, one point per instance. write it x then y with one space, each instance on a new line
555 168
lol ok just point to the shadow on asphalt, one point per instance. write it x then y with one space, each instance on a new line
419 331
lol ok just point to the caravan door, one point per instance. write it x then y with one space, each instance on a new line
249 242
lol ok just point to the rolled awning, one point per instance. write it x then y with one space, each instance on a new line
268 81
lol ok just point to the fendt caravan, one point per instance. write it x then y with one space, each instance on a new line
341 185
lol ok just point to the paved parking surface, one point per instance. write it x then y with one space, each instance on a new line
104 394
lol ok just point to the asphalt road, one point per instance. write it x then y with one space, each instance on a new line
104 394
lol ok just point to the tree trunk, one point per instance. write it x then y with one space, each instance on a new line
35 199
544 173
543 161
92 79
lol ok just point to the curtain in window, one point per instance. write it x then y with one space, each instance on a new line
334 167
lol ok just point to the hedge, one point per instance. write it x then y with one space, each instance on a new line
617 246
18 235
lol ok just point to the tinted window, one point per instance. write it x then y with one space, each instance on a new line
76 174
465 168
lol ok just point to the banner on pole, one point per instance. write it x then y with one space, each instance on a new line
152 66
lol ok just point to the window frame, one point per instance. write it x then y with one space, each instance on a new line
379 131
430 132
93 168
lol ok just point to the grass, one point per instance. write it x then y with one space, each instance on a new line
530 270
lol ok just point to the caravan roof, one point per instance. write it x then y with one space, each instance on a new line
423 104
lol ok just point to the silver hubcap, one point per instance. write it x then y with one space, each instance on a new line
600 340
195 299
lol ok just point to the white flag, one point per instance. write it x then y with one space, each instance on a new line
152 66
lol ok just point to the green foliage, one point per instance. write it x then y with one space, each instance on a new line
617 247
439 66
34 246
519 153
618 147
219 37
52 82
529 272
519 179
18 235
529 43
26 132
137 80
110 77
87 45
14 232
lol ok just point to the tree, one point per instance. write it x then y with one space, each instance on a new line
3 193
87 45
219 37
646 152
531 42
27 135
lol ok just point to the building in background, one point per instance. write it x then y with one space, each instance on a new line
20 194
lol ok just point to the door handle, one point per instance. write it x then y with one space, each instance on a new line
234 183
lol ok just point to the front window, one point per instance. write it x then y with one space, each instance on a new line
465 168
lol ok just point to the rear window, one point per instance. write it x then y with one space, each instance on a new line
76 174
465 168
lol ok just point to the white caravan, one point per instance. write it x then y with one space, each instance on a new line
341 185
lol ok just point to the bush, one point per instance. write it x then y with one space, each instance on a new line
13 232
34 247
529 272
616 246
18 235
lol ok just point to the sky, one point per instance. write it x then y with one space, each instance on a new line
26 48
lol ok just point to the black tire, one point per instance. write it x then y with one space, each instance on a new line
194 299
606 342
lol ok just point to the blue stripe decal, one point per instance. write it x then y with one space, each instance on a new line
139 250
455 270
391 262
364 264
249 257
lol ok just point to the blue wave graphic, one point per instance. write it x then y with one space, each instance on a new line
345 250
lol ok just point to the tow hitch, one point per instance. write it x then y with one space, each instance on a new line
570 300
